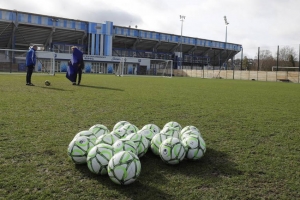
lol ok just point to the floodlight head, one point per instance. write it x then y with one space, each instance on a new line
182 17
226 22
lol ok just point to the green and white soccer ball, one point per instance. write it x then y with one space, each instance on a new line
154 128
170 131
188 133
86 133
47 83
174 125
79 148
147 133
124 168
172 151
156 142
98 158
125 145
141 142
126 130
195 147
189 128
120 124
109 139
99 129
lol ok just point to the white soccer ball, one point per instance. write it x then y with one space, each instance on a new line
99 129
141 142
174 125
120 124
79 148
126 130
86 133
98 158
109 139
195 147
154 128
147 133
156 142
124 168
189 128
170 131
188 133
172 151
125 145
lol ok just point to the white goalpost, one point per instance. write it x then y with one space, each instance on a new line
12 60
151 67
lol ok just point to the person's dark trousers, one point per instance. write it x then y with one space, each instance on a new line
79 75
29 73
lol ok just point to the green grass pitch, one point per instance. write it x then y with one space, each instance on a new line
251 130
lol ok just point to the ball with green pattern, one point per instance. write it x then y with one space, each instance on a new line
98 158
172 151
109 139
195 147
142 144
99 129
86 133
120 124
153 127
125 145
170 131
124 168
79 148
174 125
189 128
156 142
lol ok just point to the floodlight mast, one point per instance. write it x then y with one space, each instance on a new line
182 18
226 23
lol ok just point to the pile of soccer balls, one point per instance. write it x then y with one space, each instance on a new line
117 153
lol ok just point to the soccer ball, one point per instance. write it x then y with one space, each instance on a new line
98 158
47 83
154 128
188 133
148 134
124 168
156 142
120 124
109 139
126 130
172 151
79 148
88 134
170 131
141 142
125 145
195 146
189 128
99 129
174 125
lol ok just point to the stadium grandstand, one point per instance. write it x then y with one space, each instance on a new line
104 44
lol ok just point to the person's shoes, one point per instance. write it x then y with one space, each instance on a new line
74 83
29 84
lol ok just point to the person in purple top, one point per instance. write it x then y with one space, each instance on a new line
30 64
75 66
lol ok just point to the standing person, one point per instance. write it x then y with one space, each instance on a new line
30 64
74 66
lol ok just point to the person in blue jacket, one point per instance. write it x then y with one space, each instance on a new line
74 66
30 64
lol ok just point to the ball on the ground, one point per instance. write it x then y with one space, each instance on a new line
78 149
172 151
47 83
147 133
141 142
124 168
189 128
174 125
156 142
154 128
125 145
120 124
109 139
99 129
98 158
195 147
86 133
170 131
188 133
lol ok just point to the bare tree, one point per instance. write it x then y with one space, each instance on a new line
266 60
287 56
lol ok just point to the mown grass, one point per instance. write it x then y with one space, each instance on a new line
251 131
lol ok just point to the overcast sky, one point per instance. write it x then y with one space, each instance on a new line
252 23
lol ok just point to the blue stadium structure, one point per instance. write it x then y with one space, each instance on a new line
104 43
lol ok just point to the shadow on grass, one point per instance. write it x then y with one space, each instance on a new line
98 87
156 174
52 88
